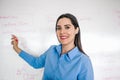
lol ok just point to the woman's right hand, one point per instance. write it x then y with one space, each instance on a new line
14 42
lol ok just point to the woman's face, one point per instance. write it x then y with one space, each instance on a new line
65 31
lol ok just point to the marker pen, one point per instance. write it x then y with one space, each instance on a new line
13 36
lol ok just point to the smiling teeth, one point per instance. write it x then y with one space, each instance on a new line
63 37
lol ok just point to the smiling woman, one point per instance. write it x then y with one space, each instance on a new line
71 24
66 61
66 33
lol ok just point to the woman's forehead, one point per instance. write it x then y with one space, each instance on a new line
64 21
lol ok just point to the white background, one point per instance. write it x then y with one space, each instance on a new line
33 22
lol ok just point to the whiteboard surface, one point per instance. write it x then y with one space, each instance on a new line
33 22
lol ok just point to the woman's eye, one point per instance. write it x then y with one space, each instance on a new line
67 27
58 28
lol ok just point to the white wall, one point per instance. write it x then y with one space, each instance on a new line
33 21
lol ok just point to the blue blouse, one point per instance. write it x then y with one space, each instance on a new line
73 65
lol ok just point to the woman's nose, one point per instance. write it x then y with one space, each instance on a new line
62 31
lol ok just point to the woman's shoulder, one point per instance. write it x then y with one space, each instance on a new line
84 58
54 47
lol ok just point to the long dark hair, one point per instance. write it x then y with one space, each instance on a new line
74 21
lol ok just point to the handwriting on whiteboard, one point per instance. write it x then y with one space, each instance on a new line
25 73
10 24
6 21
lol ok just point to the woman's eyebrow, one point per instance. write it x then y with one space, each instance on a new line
67 25
58 25
64 25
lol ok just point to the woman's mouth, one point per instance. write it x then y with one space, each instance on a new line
63 37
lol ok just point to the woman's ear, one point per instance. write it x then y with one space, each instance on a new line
77 30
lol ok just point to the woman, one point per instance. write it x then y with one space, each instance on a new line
66 61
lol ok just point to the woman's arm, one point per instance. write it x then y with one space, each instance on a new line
36 62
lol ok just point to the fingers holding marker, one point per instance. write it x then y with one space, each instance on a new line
14 41
14 38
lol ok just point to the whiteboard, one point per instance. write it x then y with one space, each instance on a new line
33 22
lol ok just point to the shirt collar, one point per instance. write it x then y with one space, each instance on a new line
71 54
59 48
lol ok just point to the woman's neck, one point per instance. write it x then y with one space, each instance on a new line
66 48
